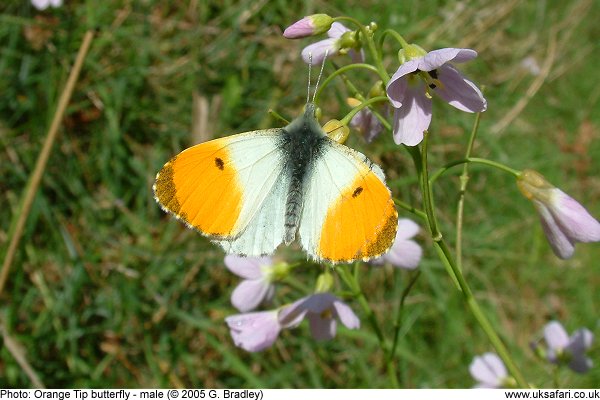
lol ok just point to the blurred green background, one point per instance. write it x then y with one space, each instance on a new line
108 291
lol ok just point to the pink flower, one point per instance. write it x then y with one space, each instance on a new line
331 46
563 219
257 285
322 310
404 253
258 330
421 74
367 123
254 331
489 371
308 26
569 350
43 4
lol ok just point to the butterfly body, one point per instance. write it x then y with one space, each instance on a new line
252 191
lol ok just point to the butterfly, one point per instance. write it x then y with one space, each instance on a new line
252 191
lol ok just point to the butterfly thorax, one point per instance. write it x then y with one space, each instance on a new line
302 141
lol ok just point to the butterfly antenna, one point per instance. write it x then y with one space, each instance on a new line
320 75
309 71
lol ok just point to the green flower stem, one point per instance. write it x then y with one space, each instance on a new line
473 160
354 286
555 377
426 191
370 43
278 116
356 110
464 180
340 71
396 36
397 323
411 209
480 316
454 270
360 97
352 283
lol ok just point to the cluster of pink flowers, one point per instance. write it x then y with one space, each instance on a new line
258 330
422 74
409 90
489 371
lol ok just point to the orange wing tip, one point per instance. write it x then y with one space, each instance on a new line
171 189
381 245
168 202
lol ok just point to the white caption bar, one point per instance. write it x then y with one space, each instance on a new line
291 394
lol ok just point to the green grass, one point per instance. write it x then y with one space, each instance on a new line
108 291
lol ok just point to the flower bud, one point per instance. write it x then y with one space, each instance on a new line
280 271
336 131
534 186
309 26
378 89
324 282
410 52
563 219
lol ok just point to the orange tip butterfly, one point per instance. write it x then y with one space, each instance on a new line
252 191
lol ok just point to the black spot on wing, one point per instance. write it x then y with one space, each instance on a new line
357 191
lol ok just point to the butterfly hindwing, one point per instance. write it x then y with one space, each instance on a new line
231 189
348 211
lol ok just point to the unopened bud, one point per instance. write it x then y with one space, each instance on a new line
309 26
336 130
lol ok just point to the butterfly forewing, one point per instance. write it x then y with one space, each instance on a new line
229 189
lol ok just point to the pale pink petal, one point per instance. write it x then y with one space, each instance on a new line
436 58
357 56
40 4
458 91
398 84
299 29
249 294
337 30
315 307
247 267
413 117
555 335
562 246
581 364
319 302
322 328
254 331
405 254
318 51
367 123
574 220
292 315
407 228
489 370
579 343
346 315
